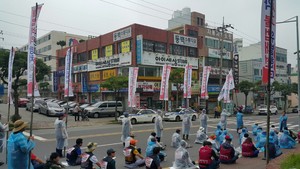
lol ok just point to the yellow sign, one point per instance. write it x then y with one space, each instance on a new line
94 76
108 50
125 46
109 73
194 75
95 54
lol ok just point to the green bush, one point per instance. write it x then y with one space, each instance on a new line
291 162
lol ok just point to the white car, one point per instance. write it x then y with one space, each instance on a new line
177 115
263 110
140 116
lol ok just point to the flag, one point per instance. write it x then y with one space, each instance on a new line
205 77
228 85
164 88
10 70
132 83
187 86
68 73
31 58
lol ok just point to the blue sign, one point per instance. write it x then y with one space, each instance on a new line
213 88
1 90
94 88
84 81
139 49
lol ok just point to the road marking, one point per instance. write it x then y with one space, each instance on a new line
35 137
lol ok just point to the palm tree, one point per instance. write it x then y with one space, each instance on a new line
61 43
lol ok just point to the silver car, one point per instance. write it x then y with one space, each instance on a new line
51 109
36 105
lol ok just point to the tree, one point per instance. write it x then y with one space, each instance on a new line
245 87
177 77
61 43
115 83
19 67
256 89
284 89
81 40
44 87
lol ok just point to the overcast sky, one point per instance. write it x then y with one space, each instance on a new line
96 17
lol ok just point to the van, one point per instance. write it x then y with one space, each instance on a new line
104 108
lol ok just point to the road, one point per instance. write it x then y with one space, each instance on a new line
108 136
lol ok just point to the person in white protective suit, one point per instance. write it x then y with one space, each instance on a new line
126 128
201 136
158 126
182 158
186 126
203 120
176 139
223 120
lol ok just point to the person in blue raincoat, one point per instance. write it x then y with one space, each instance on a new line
274 137
239 119
274 150
283 121
186 126
244 131
203 120
261 141
223 135
19 147
286 141
254 129
218 133
258 131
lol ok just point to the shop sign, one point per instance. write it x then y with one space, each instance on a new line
213 89
94 76
185 40
139 48
215 53
195 87
106 74
125 46
95 54
94 88
108 50
122 34
80 68
216 71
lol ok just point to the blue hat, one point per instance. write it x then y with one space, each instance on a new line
126 114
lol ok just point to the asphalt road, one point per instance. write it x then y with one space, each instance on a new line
108 136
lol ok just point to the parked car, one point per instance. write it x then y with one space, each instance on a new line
104 108
292 109
71 106
22 102
51 109
248 110
177 115
36 105
263 110
141 116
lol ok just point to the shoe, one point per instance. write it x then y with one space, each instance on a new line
1 163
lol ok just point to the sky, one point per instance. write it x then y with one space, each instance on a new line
97 17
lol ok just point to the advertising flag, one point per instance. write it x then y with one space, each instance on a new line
10 69
164 87
268 23
31 58
68 74
187 86
205 77
132 84
228 85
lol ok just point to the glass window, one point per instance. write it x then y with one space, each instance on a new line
192 33
111 104
103 105
148 45
81 57
62 62
78 77
192 52
177 50
212 62
160 47
227 63
123 71
149 71
256 72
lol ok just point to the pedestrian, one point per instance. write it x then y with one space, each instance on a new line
76 112
126 127
217 111
283 121
153 161
3 129
239 119
227 152
186 126
182 158
176 139
223 120
201 136
74 153
109 161
36 162
158 126
19 147
88 158
133 157
208 159
203 120
60 133
249 149
53 162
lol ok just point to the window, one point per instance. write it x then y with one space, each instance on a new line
227 63
192 33
198 21
213 43
78 77
160 47
103 105
212 62
177 50
256 72
61 62
81 57
149 71
153 46
192 52
111 104
123 71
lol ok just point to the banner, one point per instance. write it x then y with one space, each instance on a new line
68 73
55 81
125 46
266 27
187 85
108 50
205 77
84 82
132 83
31 58
10 70
164 87
229 85
95 54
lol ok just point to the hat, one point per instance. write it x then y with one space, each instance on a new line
201 128
213 137
133 142
19 125
109 151
91 146
227 137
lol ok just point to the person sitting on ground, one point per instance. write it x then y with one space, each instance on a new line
150 147
133 158
74 153
262 139
36 162
218 133
53 162
248 148
273 128
153 161
286 141
176 139
244 131
246 135
201 136
227 152
182 158
274 150
254 129
215 145
223 135
88 158
152 135
259 132
206 153
275 137
291 133
109 162
127 140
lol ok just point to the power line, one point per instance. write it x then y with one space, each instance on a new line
149 7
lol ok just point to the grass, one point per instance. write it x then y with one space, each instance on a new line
291 162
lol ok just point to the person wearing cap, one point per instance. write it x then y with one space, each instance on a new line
215 145
248 148
133 158
208 158
227 152
153 161
74 153
182 157
283 121
200 136
3 129
109 161
158 126
239 119
88 158
186 126
223 120
126 127
203 120
53 162
60 133
176 139
19 147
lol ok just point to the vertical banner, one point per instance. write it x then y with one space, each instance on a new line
139 48
55 81
31 58
10 69
205 77
266 27
132 83
228 85
164 87
187 86
68 73
84 82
